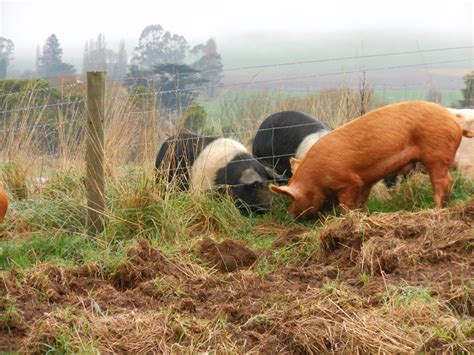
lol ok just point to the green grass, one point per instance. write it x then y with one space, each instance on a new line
364 278
414 195
9 315
164 288
408 295
62 336
50 227
65 250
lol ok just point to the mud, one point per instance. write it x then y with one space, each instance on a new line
227 256
145 263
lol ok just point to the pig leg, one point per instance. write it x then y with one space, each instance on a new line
441 182
447 191
364 196
349 197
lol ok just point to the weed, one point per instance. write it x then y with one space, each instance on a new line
405 296
330 288
264 267
164 288
9 314
364 278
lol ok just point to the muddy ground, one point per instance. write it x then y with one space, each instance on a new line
398 282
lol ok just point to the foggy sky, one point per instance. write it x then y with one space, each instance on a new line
29 23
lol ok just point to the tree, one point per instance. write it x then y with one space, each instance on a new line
122 62
468 91
97 57
6 51
139 77
38 60
50 62
157 46
179 84
209 64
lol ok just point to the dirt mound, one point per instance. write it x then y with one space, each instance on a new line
464 211
289 236
145 263
386 242
227 256
51 281
26 301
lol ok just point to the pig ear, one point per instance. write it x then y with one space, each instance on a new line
283 190
295 163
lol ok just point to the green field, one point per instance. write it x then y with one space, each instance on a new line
214 107
449 98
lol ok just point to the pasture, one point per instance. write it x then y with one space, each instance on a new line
179 272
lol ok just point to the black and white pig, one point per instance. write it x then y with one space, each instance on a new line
202 163
285 135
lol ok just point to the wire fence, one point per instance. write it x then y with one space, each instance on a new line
50 127
137 122
152 77
317 61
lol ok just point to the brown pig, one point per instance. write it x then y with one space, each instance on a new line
347 162
3 204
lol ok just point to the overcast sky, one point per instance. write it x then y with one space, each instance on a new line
29 23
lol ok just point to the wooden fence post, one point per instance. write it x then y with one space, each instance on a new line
95 184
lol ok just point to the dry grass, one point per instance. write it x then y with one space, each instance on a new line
130 332
402 239
333 106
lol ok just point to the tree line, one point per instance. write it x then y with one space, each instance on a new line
160 57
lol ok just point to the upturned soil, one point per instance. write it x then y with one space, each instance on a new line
396 282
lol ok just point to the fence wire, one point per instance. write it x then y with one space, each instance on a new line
113 113
316 61
274 65
292 78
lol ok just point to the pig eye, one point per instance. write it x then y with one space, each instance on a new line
252 186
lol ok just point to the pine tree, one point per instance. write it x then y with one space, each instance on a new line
50 63
177 92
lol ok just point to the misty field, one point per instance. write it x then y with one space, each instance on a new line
177 272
